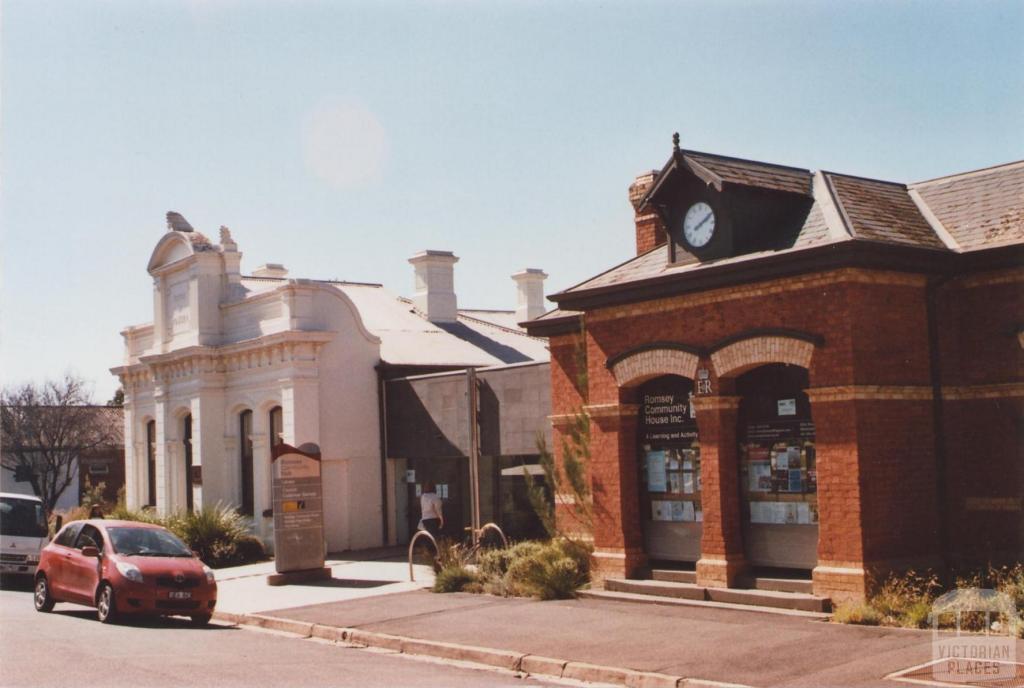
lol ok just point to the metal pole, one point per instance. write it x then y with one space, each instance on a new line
474 453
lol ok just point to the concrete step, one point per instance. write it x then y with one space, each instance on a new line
686 591
676 602
803 585
689 591
674 576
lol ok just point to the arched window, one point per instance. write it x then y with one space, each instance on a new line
245 459
151 462
186 436
276 426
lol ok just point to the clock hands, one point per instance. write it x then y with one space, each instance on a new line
701 223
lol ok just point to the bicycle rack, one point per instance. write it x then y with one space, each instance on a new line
479 534
492 526
412 544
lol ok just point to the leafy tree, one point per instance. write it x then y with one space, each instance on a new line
118 398
569 480
570 485
46 428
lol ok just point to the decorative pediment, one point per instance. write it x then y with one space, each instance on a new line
179 243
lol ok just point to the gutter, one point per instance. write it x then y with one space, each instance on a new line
845 254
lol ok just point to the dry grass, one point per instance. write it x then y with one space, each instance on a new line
906 600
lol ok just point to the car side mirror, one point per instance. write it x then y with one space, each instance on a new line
89 551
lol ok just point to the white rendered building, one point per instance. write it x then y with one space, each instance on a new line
233 363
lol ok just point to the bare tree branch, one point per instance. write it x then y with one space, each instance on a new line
46 428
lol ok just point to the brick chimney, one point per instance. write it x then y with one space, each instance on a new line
529 294
650 231
435 285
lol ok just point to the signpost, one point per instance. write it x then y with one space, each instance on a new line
298 515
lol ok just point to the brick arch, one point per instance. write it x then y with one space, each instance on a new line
738 357
636 368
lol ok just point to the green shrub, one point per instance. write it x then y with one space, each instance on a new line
218 534
454 578
552 570
857 613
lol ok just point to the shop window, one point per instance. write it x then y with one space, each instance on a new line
670 467
778 460
245 460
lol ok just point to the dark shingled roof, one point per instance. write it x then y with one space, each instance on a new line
753 173
881 211
655 262
979 209
959 213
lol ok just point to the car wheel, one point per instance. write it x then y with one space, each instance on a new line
106 611
42 598
201 619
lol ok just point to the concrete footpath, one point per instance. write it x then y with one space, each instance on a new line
586 639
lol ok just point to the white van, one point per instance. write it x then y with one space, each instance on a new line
23 533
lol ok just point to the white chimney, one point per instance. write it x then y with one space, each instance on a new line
270 270
435 285
529 294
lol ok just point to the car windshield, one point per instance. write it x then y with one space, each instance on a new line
22 517
147 542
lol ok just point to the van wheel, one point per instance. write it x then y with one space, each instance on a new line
42 598
106 611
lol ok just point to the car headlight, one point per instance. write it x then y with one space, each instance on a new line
32 559
129 571
210 578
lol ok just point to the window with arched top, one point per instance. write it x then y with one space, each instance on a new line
186 436
245 459
276 426
151 463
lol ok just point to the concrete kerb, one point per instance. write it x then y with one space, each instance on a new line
536 665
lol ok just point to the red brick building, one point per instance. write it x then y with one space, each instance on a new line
802 371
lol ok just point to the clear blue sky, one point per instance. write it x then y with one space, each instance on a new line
340 138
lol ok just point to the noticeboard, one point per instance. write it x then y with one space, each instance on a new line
298 508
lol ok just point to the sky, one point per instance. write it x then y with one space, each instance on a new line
340 138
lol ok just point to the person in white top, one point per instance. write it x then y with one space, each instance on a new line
431 510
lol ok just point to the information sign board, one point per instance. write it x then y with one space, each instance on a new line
298 508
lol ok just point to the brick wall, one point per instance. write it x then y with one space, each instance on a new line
872 403
982 368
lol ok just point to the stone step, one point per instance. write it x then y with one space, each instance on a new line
689 591
674 576
677 602
686 591
803 585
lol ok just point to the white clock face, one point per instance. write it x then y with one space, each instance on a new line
699 224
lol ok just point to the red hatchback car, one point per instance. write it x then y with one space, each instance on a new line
122 568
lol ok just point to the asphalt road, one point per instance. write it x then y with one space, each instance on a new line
68 647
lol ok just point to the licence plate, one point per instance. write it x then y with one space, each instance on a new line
176 595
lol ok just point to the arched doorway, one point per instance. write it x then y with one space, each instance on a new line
669 460
778 468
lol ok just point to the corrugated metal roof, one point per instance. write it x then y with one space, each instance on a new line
408 338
